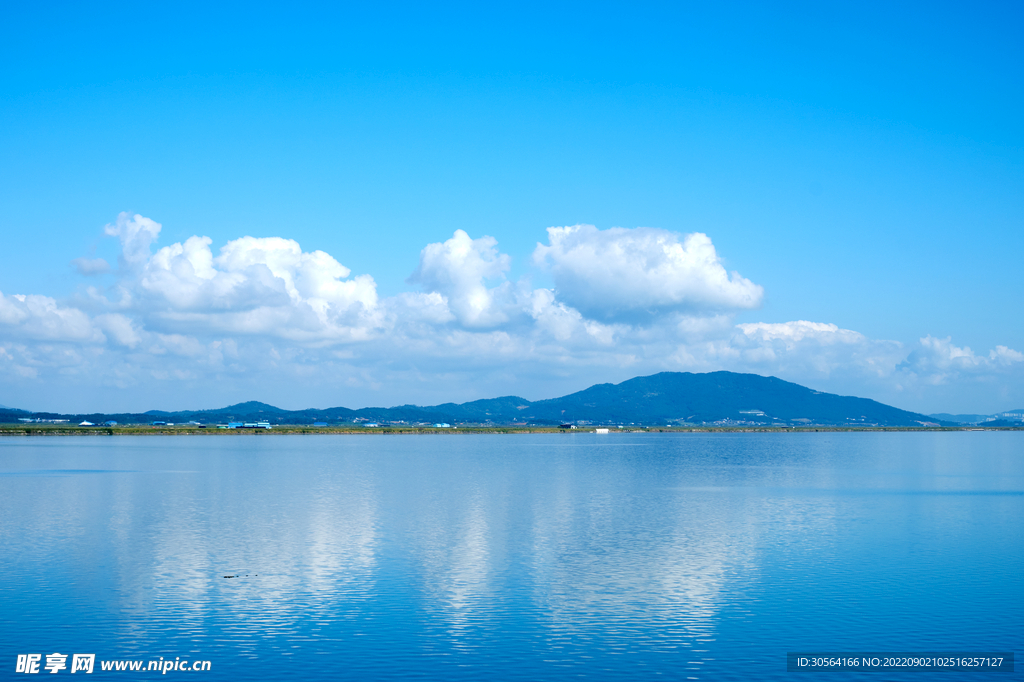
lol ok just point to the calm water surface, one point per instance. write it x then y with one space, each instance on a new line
545 557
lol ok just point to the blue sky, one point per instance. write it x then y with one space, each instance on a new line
858 165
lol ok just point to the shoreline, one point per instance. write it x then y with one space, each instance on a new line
16 430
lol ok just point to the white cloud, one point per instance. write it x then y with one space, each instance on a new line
413 307
938 361
119 328
1002 355
809 348
815 348
640 273
179 344
264 286
792 333
564 323
136 233
12 362
262 315
459 269
42 318
929 376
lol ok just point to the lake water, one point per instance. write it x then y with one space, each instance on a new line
518 557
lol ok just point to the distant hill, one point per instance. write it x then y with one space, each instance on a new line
715 398
960 418
682 397
251 407
1011 418
1001 423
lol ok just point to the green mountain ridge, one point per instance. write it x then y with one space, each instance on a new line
1013 417
668 398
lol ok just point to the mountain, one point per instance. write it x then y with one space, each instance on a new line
682 397
1001 423
715 398
251 407
960 418
1012 418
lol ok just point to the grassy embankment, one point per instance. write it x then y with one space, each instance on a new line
287 429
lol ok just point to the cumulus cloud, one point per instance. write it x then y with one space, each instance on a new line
261 311
42 318
120 329
938 361
427 310
459 270
635 273
564 323
931 373
814 348
254 286
136 234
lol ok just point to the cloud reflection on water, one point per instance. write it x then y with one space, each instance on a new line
446 547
